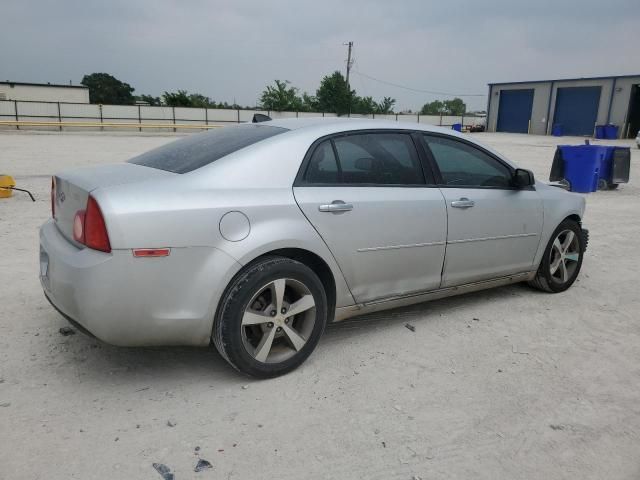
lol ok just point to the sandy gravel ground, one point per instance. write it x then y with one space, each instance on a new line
503 384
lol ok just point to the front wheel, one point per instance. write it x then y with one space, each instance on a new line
271 317
562 259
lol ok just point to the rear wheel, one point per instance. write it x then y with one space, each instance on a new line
562 259
271 317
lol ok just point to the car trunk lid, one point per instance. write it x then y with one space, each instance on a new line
72 189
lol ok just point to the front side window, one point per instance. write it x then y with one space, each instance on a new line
462 165
371 159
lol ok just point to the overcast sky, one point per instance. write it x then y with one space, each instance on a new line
233 49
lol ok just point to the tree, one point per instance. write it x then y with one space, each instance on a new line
309 103
386 105
448 107
455 106
177 99
363 105
333 94
201 101
433 108
106 89
281 97
150 99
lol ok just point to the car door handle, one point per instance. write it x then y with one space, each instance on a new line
336 206
463 203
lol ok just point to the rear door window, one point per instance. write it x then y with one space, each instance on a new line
366 159
196 151
379 159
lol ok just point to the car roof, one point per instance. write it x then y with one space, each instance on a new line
316 127
339 124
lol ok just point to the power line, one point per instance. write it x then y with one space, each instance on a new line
417 89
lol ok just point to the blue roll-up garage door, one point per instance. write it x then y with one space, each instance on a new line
577 109
514 110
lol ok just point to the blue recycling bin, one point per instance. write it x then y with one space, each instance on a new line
610 132
600 131
457 127
556 130
614 167
581 166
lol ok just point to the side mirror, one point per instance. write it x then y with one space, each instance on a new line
523 178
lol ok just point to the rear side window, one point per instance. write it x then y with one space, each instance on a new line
371 158
196 151
323 166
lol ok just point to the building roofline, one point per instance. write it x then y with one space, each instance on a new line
44 84
608 77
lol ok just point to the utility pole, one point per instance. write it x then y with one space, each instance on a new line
349 63
350 45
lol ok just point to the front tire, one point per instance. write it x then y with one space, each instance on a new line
271 317
562 259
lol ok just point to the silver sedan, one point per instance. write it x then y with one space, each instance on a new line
255 236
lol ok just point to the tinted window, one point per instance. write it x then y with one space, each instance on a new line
196 151
323 167
379 158
466 166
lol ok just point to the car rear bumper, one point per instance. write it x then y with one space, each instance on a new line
130 301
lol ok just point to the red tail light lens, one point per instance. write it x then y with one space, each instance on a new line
95 230
89 227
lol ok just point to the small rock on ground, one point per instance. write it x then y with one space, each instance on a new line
66 331
202 465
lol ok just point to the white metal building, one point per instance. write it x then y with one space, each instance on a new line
43 92
572 106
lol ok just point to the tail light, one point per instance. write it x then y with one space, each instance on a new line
89 227
53 197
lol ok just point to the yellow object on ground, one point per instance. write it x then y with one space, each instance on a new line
6 184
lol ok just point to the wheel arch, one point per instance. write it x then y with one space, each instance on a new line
312 260
315 263
574 216
550 224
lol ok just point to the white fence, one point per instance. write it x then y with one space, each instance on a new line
111 115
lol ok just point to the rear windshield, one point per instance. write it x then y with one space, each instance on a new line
196 151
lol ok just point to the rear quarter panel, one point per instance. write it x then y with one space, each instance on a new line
183 213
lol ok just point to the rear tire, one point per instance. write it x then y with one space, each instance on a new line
562 259
271 317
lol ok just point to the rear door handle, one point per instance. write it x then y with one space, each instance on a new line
463 203
336 206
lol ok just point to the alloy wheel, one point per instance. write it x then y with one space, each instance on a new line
278 320
564 257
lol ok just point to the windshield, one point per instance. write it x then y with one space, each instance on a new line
196 151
